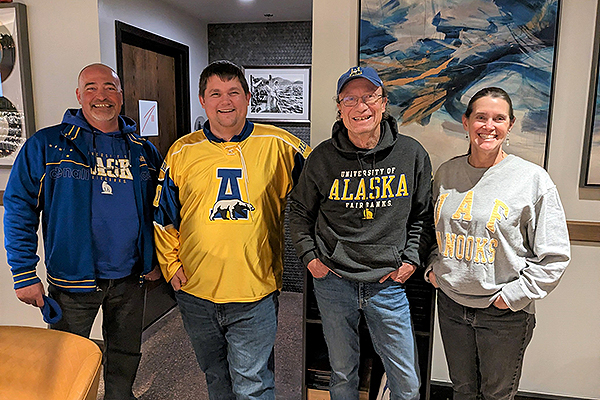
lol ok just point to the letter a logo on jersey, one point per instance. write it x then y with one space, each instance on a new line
229 204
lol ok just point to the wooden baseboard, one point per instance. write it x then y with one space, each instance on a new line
584 231
443 391
315 394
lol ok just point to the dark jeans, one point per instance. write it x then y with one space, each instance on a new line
233 343
122 302
484 348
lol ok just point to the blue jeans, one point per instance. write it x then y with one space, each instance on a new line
233 343
122 302
484 348
387 314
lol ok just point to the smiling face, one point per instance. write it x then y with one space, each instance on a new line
362 119
488 125
99 93
226 106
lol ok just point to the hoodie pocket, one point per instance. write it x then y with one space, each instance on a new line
364 257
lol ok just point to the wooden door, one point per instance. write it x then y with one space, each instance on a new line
155 68
148 75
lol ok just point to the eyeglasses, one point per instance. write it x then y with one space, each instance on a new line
368 99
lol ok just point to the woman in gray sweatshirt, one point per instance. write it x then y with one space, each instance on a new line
502 244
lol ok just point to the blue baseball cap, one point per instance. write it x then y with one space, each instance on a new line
359 72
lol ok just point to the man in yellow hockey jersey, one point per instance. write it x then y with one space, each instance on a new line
219 234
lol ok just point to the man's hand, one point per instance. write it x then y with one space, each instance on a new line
153 275
31 294
179 279
401 274
318 269
433 279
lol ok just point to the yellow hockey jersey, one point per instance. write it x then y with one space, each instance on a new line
220 211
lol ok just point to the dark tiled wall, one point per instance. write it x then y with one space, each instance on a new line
261 45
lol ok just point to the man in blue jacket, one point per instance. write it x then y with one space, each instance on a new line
93 181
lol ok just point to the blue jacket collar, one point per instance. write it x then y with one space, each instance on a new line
75 117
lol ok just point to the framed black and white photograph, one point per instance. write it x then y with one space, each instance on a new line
590 168
16 94
279 93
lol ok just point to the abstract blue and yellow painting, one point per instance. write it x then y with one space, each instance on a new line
433 55
593 167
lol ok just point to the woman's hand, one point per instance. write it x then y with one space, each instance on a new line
432 279
500 303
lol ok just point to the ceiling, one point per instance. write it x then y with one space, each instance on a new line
235 11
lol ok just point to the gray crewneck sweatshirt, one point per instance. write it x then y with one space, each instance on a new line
500 231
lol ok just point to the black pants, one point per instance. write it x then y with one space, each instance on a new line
484 348
122 303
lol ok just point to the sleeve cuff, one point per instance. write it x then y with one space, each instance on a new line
308 257
514 297
426 273
25 279
416 263
169 271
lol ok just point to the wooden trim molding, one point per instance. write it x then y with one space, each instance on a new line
584 231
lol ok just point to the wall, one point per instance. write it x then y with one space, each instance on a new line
63 37
335 44
161 19
289 44
58 52
564 356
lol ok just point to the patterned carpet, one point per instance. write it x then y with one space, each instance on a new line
168 369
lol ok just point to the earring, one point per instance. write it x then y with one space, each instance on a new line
507 141
467 135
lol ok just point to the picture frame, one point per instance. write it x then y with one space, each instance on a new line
17 120
279 93
434 56
590 160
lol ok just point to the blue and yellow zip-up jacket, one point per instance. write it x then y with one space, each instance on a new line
220 211
52 177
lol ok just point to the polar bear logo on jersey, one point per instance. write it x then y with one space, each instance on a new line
231 207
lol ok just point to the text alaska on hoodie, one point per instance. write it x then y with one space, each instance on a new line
370 188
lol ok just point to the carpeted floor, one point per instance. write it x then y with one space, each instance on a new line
168 369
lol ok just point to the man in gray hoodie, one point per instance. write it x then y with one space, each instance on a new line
361 221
